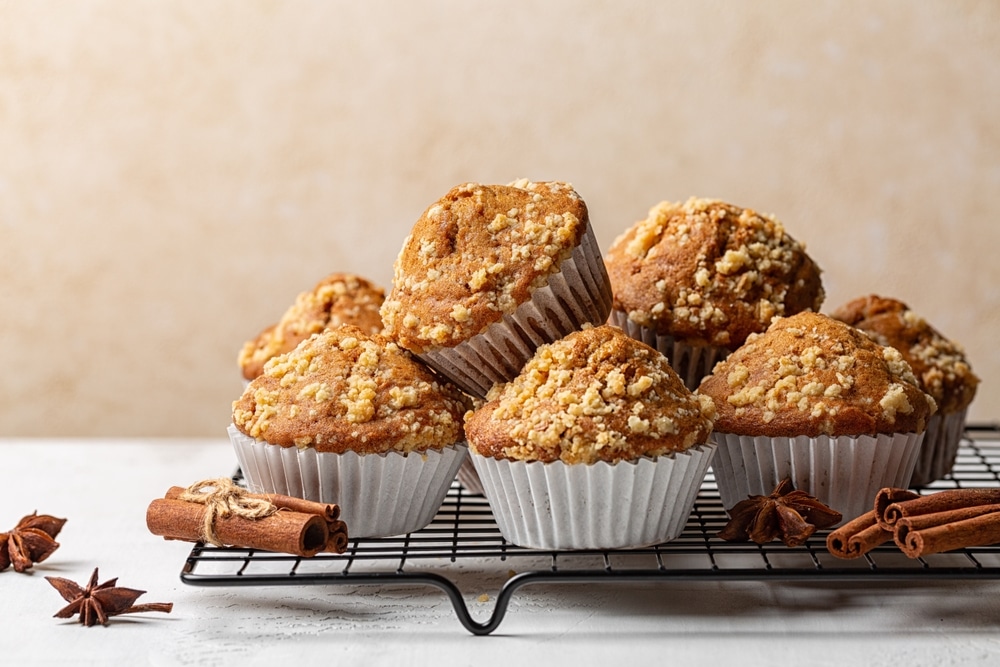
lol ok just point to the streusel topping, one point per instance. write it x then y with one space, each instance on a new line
477 254
708 272
939 364
342 389
340 298
810 374
595 395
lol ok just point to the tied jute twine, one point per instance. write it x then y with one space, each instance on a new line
225 499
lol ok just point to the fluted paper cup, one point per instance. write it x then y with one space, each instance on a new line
843 472
691 362
379 494
579 293
469 478
940 447
629 504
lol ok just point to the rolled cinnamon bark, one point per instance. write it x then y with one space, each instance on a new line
889 496
941 501
971 532
295 533
857 537
923 522
337 541
330 512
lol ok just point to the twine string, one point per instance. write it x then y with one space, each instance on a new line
222 498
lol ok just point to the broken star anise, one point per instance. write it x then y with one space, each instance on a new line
31 541
787 514
98 602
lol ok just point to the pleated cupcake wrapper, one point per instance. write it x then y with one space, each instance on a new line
600 506
379 494
691 362
843 472
469 478
940 447
580 292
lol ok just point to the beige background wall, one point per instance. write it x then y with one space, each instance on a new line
173 174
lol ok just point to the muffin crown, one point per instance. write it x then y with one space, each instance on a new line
340 298
477 254
595 395
812 375
707 272
342 389
939 364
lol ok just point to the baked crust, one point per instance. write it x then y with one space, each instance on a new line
477 254
811 375
710 273
595 395
938 363
339 298
342 389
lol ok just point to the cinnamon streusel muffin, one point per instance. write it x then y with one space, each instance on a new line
352 419
694 279
595 444
939 365
340 298
816 400
489 273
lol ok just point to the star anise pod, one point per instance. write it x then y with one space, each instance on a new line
98 602
787 514
31 541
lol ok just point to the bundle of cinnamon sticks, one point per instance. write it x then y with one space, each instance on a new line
295 526
921 525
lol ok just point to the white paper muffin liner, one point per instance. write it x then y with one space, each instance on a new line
579 293
469 478
843 472
940 447
691 362
379 494
600 506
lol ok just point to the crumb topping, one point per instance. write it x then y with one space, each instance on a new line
595 395
709 272
342 389
939 364
809 374
477 254
338 299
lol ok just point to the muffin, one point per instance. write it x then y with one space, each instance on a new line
818 401
489 273
596 444
695 279
340 298
351 418
939 366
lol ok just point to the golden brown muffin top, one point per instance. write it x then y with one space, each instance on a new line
595 395
342 389
810 374
707 272
477 254
340 298
939 364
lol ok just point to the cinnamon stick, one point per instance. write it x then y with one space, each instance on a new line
337 538
950 535
284 532
889 496
857 537
941 501
924 522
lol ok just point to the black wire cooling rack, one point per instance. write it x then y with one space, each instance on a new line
464 535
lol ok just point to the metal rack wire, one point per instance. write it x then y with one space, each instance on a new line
464 532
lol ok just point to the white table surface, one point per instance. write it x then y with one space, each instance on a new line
104 486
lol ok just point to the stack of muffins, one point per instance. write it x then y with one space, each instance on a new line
585 396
